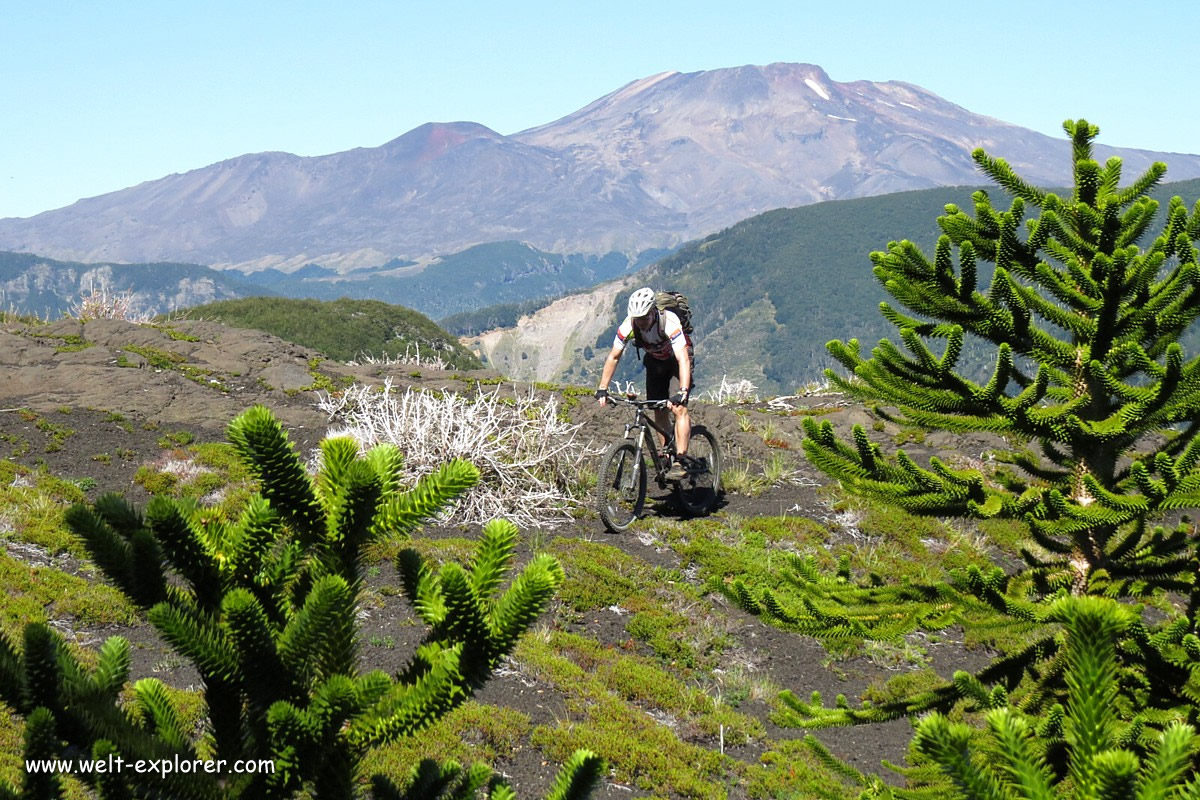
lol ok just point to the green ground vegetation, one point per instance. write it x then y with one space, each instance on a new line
160 359
32 502
285 582
342 329
208 471
660 696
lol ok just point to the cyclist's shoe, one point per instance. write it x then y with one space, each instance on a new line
679 468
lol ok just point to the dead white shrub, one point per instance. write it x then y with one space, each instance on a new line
734 393
818 388
103 304
528 456
184 469
409 359
626 389
12 314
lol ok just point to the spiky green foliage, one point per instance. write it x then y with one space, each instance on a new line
450 781
1157 670
458 605
71 710
834 607
41 742
1084 324
1081 751
1098 406
839 609
265 608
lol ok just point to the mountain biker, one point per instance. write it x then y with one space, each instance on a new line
668 355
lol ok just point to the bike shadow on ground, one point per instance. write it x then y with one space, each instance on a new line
662 503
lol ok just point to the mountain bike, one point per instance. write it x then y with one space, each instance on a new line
621 488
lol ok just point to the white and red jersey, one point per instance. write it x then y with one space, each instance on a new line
661 340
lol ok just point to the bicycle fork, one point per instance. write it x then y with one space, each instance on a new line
638 463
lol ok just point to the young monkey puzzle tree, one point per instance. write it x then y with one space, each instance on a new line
1085 326
266 609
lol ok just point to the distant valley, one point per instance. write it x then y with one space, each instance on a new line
767 292
766 295
46 287
479 276
759 191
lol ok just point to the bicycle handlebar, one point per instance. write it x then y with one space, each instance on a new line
641 403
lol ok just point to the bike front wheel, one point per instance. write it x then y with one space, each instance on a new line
621 487
699 491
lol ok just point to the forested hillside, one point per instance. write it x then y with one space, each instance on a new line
497 272
342 329
769 292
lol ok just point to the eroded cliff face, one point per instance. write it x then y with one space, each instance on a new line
552 343
568 340
48 289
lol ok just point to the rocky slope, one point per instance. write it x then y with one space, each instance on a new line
550 344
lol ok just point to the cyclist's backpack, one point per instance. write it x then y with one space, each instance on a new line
675 303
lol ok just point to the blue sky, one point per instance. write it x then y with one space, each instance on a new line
95 97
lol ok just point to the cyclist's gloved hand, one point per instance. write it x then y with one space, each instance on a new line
602 396
679 399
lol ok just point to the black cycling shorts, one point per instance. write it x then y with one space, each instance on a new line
659 373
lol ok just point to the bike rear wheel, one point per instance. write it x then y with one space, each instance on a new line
621 487
699 491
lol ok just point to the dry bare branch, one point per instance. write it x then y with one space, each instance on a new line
409 359
735 393
527 455
103 304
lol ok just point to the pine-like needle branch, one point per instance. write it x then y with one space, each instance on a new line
265 608
1082 752
1098 405
1083 322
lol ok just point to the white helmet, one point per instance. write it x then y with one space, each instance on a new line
641 301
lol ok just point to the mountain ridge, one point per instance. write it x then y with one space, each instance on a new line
659 161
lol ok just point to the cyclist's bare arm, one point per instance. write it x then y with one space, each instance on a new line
685 367
610 366
679 348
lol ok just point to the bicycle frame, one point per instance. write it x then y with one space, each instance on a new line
621 487
641 421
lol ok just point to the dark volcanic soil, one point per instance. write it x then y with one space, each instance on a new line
118 397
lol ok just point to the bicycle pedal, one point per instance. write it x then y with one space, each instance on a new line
674 474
